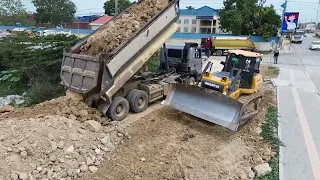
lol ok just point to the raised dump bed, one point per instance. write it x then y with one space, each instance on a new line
100 75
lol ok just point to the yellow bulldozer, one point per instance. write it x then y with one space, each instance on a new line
228 98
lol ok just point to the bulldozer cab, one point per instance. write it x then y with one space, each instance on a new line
248 62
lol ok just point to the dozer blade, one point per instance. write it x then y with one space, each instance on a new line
206 104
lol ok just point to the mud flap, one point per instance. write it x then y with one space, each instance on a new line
206 104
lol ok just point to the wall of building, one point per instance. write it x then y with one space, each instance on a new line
190 24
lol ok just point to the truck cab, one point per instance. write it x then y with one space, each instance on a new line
185 59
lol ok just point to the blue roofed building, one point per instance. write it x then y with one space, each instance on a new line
204 20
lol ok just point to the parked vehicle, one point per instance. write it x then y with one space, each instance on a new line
314 45
221 44
297 37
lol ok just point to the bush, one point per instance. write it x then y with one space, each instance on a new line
154 63
35 63
40 92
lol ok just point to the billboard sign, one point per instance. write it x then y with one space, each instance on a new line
290 21
204 17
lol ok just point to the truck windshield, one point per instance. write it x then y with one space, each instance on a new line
204 40
175 53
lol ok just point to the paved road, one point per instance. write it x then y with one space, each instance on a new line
299 112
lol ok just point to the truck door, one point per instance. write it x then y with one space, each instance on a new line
195 60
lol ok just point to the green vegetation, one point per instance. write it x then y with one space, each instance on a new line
275 70
32 65
268 135
110 4
154 63
13 12
249 17
56 12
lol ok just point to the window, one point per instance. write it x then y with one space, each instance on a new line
179 21
194 30
194 21
186 21
185 29
174 53
197 53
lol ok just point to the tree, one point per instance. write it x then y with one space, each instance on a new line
12 12
249 17
109 6
56 12
34 66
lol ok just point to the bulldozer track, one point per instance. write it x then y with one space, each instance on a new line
247 102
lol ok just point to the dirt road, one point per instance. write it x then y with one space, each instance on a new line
168 144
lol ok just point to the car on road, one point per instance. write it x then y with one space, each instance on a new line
315 45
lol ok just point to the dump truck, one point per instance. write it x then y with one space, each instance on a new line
109 81
221 44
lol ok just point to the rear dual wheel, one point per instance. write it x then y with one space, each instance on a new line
136 101
118 109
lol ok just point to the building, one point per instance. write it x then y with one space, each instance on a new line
204 20
99 22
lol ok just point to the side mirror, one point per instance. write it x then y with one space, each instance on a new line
204 59
222 62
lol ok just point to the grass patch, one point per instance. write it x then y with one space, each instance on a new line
274 70
268 135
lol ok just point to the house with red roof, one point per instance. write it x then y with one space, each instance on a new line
100 21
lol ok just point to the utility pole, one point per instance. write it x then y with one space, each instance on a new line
116 7
317 13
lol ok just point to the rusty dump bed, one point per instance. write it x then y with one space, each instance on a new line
95 75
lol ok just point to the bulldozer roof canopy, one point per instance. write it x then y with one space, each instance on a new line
246 53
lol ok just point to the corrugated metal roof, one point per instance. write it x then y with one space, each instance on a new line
203 11
102 20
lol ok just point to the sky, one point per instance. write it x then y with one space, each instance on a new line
307 8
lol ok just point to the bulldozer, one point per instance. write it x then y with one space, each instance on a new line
229 98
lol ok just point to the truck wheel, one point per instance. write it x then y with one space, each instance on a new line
139 101
118 109
191 81
219 53
128 96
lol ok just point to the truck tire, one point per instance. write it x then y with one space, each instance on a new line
118 109
219 53
191 81
128 96
139 101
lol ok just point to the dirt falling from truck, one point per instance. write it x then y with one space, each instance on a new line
118 32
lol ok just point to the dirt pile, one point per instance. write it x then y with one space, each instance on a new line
60 138
114 33
52 147
70 106
49 140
